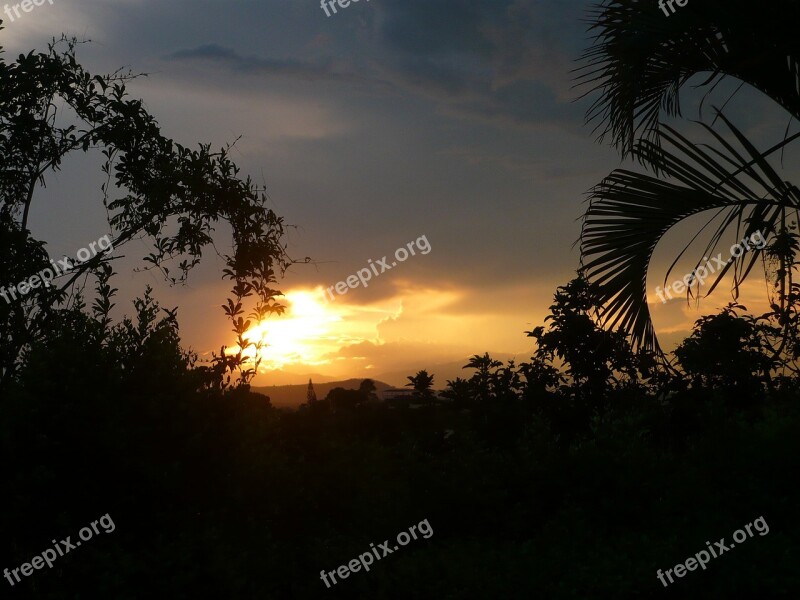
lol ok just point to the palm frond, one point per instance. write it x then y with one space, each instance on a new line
629 213
640 59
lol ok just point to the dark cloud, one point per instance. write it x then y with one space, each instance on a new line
502 61
254 64
439 29
506 60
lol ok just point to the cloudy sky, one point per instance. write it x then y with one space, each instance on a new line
370 128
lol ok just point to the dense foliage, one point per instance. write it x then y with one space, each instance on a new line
574 474
533 482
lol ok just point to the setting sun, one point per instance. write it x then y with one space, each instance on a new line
294 337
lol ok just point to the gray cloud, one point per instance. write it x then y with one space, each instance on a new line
495 61
260 66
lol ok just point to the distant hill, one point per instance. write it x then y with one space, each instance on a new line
288 377
442 371
292 396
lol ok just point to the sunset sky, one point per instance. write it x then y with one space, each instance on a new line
387 121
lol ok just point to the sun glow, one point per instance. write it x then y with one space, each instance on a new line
295 337
336 338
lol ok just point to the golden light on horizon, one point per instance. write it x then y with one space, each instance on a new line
343 339
295 337
313 330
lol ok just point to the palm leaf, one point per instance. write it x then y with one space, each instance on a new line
640 59
629 212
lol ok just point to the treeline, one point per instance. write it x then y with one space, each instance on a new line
570 480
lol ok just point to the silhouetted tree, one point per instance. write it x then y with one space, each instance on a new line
482 379
460 391
423 387
539 380
726 351
594 359
367 390
154 188
343 399
638 65
311 395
